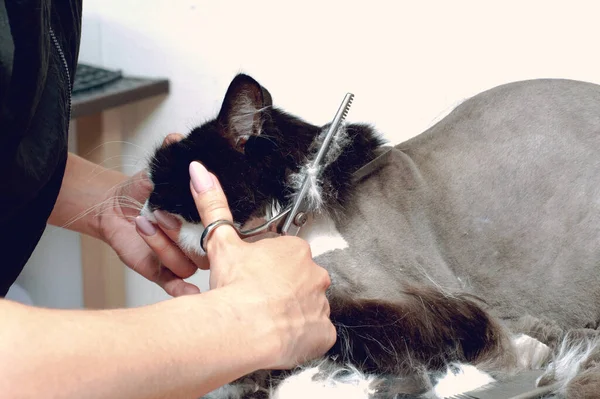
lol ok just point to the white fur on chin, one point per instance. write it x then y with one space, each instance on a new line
190 235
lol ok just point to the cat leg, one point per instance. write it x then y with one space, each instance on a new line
531 353
542 329
404 341
575 366
586 385
426 329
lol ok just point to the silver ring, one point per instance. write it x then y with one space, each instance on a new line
210 228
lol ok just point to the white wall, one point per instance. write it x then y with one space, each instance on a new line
406 62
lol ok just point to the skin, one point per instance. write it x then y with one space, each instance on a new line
85 186
266 309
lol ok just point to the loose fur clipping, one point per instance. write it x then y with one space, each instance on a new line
327 379
315 195
575 367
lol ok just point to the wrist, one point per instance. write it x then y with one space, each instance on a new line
215 337
102 223
99 225
251 317
86 191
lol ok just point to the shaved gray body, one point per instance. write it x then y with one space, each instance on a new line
500 199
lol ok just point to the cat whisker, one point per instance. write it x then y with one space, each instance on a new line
106 205
127 182
101 165
86 213
135 158
116 167
117 142
125 200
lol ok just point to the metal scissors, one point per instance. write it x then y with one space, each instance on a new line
292 218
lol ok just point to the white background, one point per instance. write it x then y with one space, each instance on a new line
407 63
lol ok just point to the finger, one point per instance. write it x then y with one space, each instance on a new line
261 237
332 337
171 226
169 254
254 223
151 268
172 284
172 138
211 204
325 279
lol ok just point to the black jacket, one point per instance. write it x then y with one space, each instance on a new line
39 45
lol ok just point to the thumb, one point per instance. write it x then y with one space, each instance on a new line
212 206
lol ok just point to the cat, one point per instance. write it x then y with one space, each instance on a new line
474 243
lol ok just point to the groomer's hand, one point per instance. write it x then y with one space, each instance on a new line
158 258
143 247
277 274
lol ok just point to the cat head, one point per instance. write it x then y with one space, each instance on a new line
256 150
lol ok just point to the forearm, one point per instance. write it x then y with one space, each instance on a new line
84 187
182 348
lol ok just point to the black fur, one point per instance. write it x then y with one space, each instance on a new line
426 330
252 171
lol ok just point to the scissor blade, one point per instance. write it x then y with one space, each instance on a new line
290 226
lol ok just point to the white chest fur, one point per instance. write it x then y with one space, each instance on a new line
320 232
322 235
190 235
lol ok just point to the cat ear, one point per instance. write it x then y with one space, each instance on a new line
241 114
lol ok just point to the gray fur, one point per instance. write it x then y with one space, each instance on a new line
501 199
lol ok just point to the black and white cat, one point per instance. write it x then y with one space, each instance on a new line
471 248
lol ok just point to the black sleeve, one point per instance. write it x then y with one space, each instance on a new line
34 119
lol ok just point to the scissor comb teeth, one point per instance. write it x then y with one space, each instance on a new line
347 107
300 205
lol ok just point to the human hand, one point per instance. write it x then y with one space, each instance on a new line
277 276
277 273
164 263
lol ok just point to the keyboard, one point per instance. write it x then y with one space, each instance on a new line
90 77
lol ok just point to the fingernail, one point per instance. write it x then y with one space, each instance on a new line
144 226
201 179
166 220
